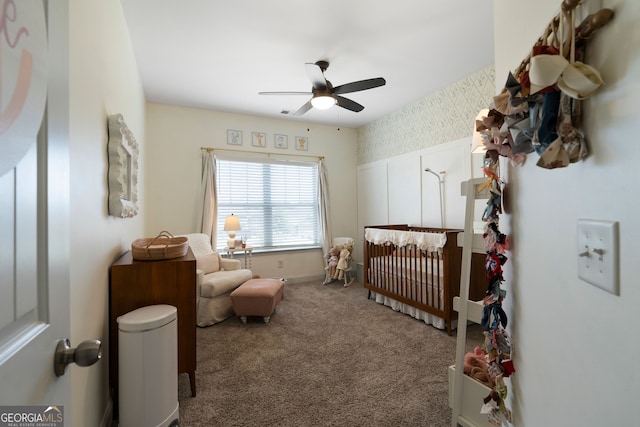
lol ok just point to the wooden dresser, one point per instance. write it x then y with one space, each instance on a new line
134 284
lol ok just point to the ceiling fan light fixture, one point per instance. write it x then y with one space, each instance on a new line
323 102
325 95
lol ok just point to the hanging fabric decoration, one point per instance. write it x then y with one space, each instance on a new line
539 108
497 345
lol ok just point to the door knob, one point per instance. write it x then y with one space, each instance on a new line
85 354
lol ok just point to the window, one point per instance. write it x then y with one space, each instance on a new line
275 201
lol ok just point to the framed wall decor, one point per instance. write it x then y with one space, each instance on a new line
280 141
234 137
259 139
123 169
302 143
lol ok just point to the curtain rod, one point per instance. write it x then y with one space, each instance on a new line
210 149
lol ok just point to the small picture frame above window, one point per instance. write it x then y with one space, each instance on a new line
280 141
234 137
302 143
123 169
259 139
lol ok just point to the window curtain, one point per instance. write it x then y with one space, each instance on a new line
208 215
325 217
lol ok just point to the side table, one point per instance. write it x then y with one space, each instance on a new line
247 254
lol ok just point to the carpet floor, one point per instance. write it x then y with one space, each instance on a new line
328 357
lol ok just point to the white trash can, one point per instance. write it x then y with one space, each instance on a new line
148 367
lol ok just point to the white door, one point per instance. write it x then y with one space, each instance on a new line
34 192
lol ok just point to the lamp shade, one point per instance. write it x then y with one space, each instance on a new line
323 102
231 223
477 145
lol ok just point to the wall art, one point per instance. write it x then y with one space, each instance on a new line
302 143
123 169
259 139
234 137
281 141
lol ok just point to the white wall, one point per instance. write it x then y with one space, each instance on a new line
403 181
173 164
104 80
574 343
397 190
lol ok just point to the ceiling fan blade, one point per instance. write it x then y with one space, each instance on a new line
306 107
316 75
359 85
349 104
285 93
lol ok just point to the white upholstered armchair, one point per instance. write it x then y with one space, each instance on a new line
217 277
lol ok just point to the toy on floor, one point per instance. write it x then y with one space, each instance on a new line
339 264
343 261
332 261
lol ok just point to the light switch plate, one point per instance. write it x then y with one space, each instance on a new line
598 253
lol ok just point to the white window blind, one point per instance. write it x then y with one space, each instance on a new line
276 202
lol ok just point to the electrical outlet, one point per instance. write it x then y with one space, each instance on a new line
280 263
598 253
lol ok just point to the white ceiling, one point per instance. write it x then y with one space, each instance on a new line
218 54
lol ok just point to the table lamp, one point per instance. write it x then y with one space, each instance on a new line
477 144
231 224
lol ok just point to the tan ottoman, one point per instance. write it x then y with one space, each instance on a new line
257 297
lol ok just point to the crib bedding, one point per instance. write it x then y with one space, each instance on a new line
412 270
410 310
426 241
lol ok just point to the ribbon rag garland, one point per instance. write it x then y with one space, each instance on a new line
497 345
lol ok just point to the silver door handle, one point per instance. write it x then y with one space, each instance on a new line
85 354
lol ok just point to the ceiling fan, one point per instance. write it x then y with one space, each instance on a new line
325 95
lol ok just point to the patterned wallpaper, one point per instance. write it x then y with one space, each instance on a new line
446 115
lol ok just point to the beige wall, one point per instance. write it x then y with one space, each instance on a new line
104 80
574 345
173 164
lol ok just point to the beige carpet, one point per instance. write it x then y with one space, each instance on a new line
328 357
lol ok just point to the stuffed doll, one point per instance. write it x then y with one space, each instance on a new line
332 260
476 366
343 261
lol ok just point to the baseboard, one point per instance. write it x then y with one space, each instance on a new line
304 278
